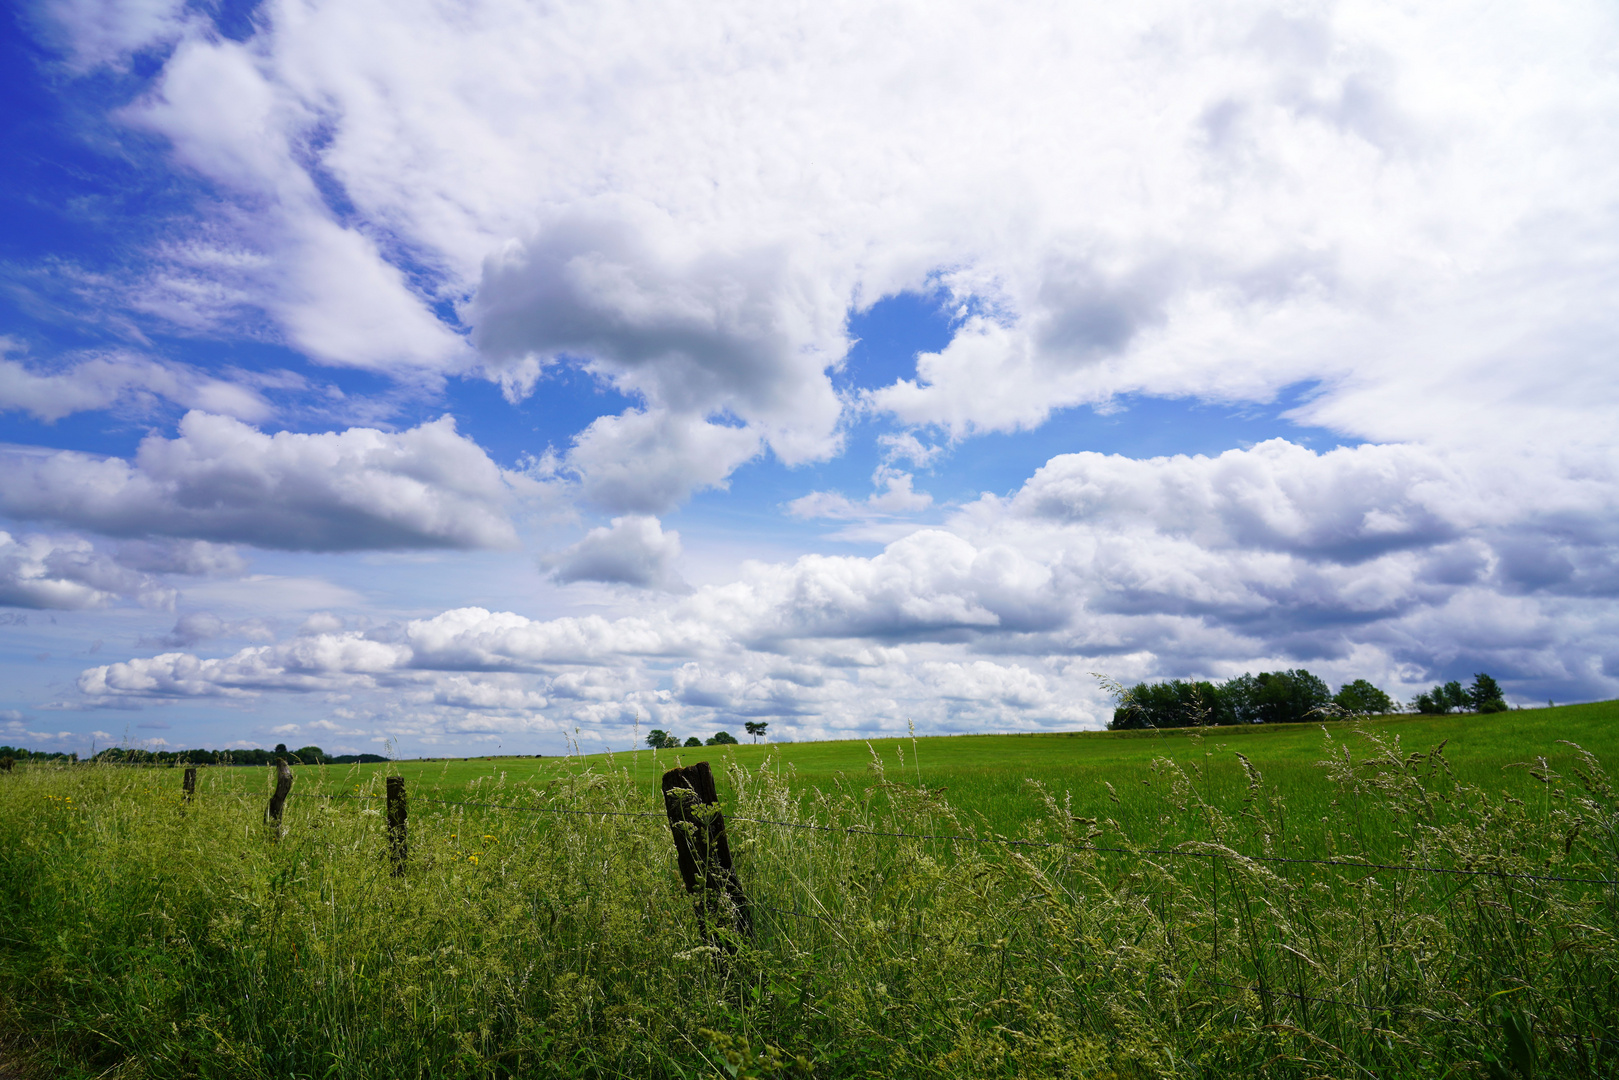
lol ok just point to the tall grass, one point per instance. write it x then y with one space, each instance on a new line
1148 938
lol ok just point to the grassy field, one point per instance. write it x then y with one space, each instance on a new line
985 777
1147 926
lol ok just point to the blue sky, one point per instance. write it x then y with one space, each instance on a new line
372 378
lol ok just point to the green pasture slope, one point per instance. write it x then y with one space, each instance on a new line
986 776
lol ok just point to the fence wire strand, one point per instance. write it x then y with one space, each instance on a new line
856 830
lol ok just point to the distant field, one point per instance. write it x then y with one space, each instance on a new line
986 774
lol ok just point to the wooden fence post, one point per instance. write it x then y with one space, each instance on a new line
189 782
704 854
5 763
398 848
283 788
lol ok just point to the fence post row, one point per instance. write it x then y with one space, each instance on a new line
283 788
703 852
398 848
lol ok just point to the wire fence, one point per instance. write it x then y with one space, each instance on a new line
856 830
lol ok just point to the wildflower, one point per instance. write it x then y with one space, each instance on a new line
473 859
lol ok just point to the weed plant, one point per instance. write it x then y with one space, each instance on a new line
140 936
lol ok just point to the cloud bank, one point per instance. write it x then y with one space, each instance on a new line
223 481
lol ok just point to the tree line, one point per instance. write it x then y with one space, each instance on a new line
659 739
1286 697
130 755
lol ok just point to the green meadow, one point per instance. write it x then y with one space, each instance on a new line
986 777
1398 897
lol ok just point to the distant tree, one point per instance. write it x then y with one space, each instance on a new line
281 749
1176 703
755 728
1276 697
722 738
1447 697
1431 703
694 741
1361 698
1485 695
655 737
310 755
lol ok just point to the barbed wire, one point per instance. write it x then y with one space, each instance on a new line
546 809
856 830
323 795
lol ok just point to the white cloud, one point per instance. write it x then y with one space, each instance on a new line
695 332
1387 562
322 662
196 627
110 31
105 381
630 551
897 497
67 572
197 558
1213 202
649 462
221 480
329 287
1403 210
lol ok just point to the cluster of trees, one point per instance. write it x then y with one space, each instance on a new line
305 755
659 739
1283 697
18 753
1484 696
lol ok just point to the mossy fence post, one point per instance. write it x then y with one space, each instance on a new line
398 848
189 782
704 853
278 799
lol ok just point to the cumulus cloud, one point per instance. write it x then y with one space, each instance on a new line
630 551
195 627
1268 197
694 332
101 382
322 662
329 288
197 558
650 461
223 481
897 497
1402 211
67 572
1373 561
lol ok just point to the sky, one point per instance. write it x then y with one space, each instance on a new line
503 377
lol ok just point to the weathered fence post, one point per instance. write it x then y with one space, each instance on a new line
690 800
398 848
5 763
283 788
189 782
